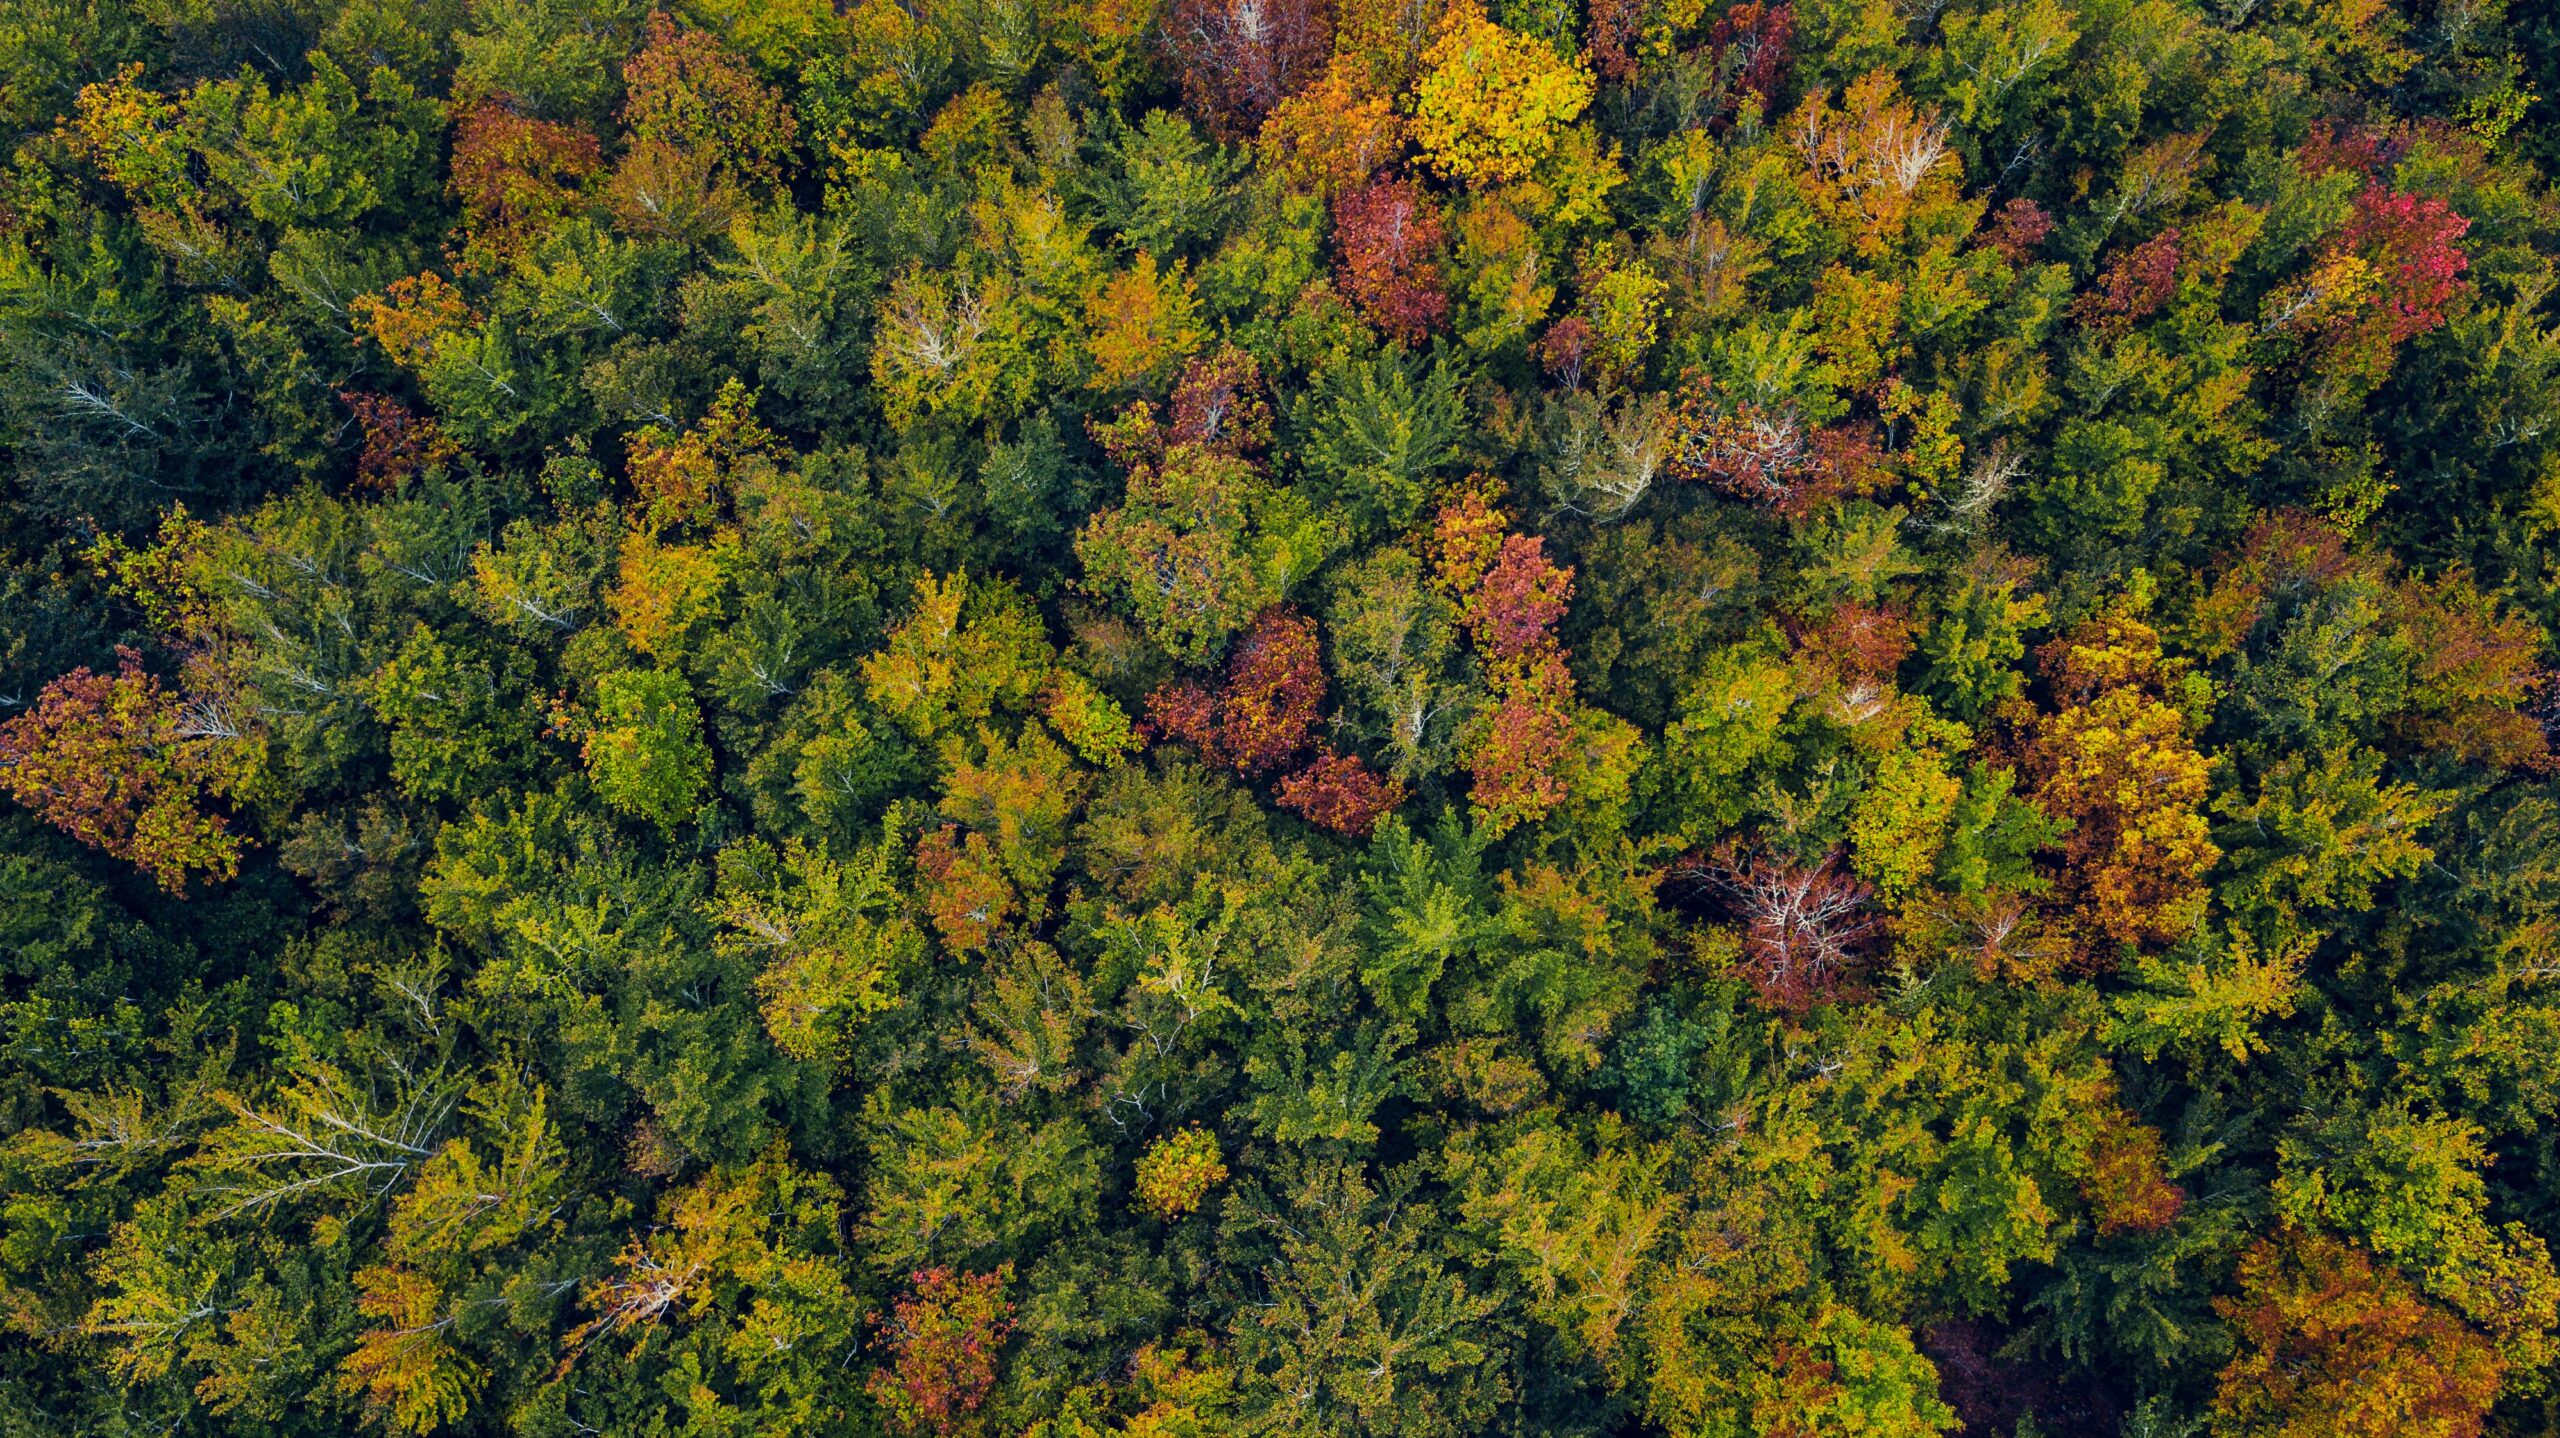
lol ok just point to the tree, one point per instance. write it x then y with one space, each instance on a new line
2407 1187
694 477
2321 833
1177 1171
1874 159
1381 433
1807 928
453 731
2386 277
834 939
964 654
1394 639
516 176
1526 747
1754 43
1504 285
1238 60
1489 109
1365 1331
1578 1218
1145 321
123 766
943 1341
1728 731
1222 403
1018 793
1900 825
962 886
1264 713
643 745
952 344
1200 545
1855 1375
1387 234
966 1182
2332 1342
1750 449
398 442
411 1380
1972 649
2136 286
706 135
472 1203
1520 599
1342 793
1517 749
739 1287
2128 1187
2119 763
1333 135
2214 989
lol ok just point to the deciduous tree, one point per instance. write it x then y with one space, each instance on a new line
127 767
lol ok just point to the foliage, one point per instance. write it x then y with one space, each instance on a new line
121 765
1159 718
943 1343
1489 108
1177 1171
2334 1343
644 749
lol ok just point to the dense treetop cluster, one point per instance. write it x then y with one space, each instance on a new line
1168 718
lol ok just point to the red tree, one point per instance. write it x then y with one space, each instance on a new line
1807 929
1753 44
2368 151
1386 234
1522 596
2015 232
1518 752
1262 716
121 765
2134 287
1274 693
1341 793
1264 712
1185 710
1749 451
1239 58
2410 243
1859 641
1219 405
1616 26
398 441
1565 349
943 1340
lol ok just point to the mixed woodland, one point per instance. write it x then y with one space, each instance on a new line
1317 718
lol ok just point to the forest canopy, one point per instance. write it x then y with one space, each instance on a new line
1318 718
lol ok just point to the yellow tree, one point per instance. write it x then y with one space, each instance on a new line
2119 762
1495 102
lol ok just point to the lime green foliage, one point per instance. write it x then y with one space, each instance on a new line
645 750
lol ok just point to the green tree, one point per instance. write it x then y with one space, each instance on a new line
644 746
